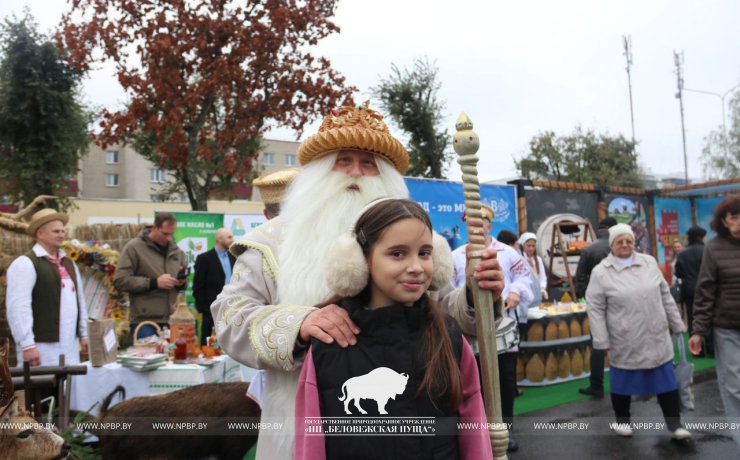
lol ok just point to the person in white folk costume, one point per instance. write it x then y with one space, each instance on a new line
518 297
45 304
528 249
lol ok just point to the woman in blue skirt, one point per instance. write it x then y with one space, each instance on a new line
633 315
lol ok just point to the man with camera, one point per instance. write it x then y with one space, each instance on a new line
152 269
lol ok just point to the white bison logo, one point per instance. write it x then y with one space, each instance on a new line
381 385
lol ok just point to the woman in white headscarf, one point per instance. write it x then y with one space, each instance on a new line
538 275
633 315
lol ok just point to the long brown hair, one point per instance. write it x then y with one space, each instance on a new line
442 375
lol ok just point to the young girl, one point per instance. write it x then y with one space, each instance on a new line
410 361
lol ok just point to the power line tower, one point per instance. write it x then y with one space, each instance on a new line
678 60
627 39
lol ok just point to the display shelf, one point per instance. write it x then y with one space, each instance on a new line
551 343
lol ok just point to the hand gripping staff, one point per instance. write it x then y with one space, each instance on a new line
466 144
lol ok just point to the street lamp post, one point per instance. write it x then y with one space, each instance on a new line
722 98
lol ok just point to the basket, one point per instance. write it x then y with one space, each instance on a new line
145 347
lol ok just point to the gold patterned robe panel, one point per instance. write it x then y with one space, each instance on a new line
250 327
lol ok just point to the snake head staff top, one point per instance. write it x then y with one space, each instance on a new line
465 141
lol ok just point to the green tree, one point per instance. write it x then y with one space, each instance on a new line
582 157
721 156
43 125
409 97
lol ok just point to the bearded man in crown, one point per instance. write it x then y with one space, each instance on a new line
265 317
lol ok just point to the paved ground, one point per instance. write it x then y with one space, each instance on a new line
598 441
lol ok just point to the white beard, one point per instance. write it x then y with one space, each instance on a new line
317 209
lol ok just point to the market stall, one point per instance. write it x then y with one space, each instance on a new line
658 217
556 347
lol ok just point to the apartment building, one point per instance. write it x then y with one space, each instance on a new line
119 172
276 155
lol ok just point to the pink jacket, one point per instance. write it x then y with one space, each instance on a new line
474 444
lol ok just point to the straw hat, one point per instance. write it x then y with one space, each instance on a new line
44 216
354 128
272 185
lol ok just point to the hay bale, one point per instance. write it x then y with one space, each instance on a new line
564 365
535 333
551 331
576 364
535 369
575 328
551 367
563 332
519 370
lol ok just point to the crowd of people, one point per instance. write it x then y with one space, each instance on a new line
347 289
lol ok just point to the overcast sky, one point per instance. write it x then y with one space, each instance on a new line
518 68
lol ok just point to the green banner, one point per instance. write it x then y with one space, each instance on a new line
194 235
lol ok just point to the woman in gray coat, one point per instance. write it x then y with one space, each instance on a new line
632 316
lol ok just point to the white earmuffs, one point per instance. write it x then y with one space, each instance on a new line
347 272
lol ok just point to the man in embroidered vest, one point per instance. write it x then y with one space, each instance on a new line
266 315
45 304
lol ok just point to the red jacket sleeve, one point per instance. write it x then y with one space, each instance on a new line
473 440
308 445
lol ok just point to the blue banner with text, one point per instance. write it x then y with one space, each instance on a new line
445 204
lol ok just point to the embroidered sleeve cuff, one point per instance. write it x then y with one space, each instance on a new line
273 334
28 347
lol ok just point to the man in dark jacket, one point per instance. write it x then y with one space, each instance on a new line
212 271
592 256
687 270
148 270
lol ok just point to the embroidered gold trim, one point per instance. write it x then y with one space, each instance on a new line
268 232
273 332
269 261
232 314
240 268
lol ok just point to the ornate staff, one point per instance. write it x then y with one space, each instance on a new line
466 144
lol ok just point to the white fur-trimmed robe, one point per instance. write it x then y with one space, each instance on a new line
257 333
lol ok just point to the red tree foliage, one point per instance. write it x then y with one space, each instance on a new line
206 78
